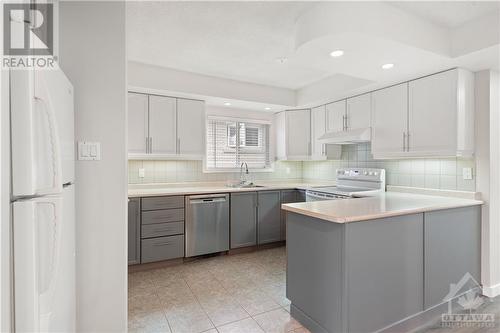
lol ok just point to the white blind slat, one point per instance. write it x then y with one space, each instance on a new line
230 143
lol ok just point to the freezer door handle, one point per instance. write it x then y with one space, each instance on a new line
37 247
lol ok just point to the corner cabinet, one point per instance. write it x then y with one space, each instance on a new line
430 116
161 127
293 135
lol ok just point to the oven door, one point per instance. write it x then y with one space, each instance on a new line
320 196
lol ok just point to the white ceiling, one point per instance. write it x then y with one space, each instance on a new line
235 40
448 14
242 40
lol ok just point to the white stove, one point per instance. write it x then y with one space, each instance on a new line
351 183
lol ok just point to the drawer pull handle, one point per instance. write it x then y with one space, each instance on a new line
162 244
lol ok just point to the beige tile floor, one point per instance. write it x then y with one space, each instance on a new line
226 294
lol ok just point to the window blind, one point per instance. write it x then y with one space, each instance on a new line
231 142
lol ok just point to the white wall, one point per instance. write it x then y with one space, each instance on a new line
162 79
93 55
488 181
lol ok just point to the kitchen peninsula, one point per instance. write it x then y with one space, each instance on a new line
377 260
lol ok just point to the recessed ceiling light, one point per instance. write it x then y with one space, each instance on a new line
227 104
267 108
281 60
387 66
337 53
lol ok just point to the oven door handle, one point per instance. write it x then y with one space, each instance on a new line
317 195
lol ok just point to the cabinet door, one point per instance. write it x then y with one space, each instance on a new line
433 114
451 233
191 127
162 125
280 123
288 196
359 111
298 133
269 217
389 121
335 113
243 219
318 128
137 123
134 231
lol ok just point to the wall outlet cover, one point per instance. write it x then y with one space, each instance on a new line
467 173
142 173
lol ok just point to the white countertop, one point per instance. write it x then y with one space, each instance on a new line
150 190
384 205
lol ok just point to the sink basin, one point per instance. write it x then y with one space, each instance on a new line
251 185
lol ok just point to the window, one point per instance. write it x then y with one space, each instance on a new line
231 142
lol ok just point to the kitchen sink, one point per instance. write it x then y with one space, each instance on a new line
251 185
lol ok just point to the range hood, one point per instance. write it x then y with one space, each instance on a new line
347 137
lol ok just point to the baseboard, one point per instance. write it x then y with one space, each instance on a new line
492 291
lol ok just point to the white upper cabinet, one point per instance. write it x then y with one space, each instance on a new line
441 114
293 134
137 123
191 127
358 112
298 133
162 125
335 116
318 128
389 121
430 116
319 150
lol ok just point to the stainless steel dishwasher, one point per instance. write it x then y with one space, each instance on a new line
207 224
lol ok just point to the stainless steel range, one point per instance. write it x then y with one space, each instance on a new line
351 183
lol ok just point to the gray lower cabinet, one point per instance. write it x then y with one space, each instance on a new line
162 248
269 217
452 236
134 230
384 271
243 219
287 196
162 228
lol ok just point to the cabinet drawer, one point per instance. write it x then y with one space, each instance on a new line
162 229
162 248
156 203
163 216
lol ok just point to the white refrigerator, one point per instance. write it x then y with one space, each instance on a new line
43 201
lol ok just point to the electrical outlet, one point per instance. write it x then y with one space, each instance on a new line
467 173
288 170
142 173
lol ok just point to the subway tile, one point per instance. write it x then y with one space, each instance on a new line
447 182
432 167
417 167
417 180
465 184
431 181
448 167
405 167
404 180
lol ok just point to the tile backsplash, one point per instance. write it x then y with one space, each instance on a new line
192 171
435 173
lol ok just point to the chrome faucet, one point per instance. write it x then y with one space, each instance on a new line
241 172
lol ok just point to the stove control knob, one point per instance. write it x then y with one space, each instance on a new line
370 173
365 173
375 173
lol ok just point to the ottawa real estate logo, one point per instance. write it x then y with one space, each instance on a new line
28 36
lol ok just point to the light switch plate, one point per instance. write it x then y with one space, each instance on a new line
467 173
89 151
142 173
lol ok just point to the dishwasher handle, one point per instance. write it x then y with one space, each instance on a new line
207 199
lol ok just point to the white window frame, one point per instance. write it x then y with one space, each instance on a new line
248 150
